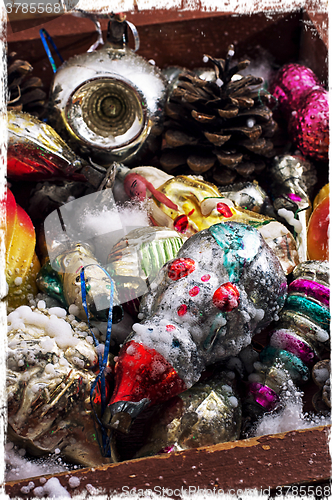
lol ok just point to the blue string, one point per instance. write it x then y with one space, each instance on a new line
101 360
43 35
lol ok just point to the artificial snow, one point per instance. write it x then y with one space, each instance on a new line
52 489
288 215
291 417
18 467
74 482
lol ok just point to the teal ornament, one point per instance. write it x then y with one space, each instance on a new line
48 281
297 370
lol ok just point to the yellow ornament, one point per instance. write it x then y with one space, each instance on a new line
323 193
199 205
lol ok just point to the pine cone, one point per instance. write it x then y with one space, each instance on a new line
25 91
218 128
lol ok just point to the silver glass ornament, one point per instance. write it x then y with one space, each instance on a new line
109 103
293 179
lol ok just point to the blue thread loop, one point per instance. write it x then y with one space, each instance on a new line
45 35
102 360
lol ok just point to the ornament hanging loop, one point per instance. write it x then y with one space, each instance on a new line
117 32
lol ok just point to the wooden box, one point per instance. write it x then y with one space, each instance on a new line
298 461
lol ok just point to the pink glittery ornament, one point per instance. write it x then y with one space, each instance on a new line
309 125
291 83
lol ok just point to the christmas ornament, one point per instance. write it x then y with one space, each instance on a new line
108 103
135 260
318 227
219 128
25 91
250 196
325 191
297 340
66 285
80 235
142 182
289 85
189 204
22 264
303 103
37 152
309 125
292 180
207 414
321 374
51 365
205 306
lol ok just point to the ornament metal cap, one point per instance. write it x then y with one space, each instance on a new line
120 415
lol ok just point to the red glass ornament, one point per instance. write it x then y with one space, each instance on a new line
96 396
226 297
32 163
289 86
318 231
179 268
309 125
224 210
141 373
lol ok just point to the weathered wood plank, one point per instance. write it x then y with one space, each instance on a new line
266 462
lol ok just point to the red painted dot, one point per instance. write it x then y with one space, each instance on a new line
182 310
194 291
224 209
226 297
191 212
170 328
206 277
179 268
181 223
